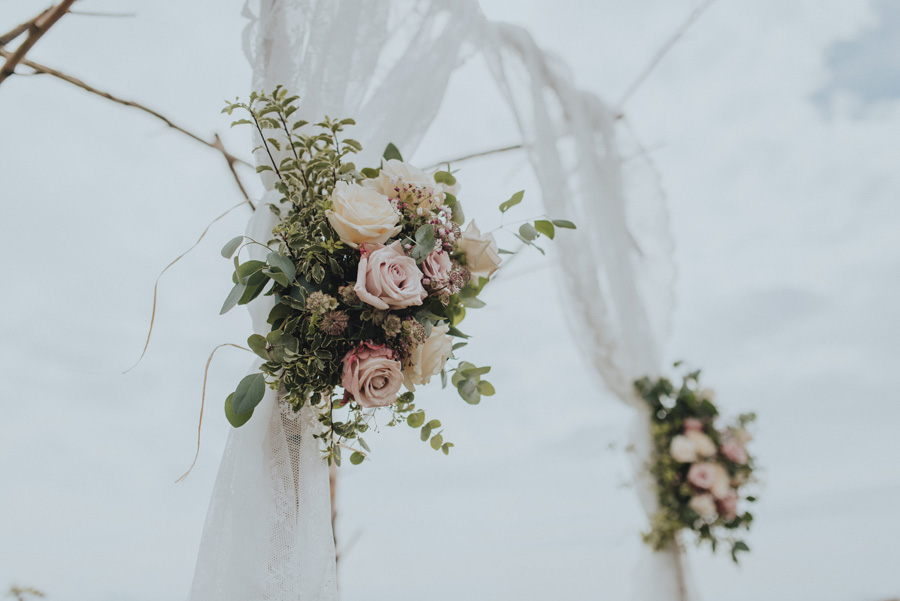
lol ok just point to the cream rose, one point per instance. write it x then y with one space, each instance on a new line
392 171
428 359
683 449
482 257
387 278
371 375
408 184
703 443
359 215
704 505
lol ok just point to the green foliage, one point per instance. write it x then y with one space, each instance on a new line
391 152
513 201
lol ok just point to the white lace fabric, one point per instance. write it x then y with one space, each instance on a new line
387 64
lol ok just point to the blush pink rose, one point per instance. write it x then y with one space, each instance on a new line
735 451
372 375
692 424
728 505
702 475
387 278
436 268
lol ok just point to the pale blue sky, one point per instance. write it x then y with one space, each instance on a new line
786 222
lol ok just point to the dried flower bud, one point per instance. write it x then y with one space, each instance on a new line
348 295
319 302
334 322
392 325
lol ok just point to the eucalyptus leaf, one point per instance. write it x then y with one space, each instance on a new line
258 344
232 299
356 458
436 441
444 177
249 393
282 263
527 231
236 420
278 276
415 420
545 227
568 225
513 201
453 331
472 302
486 388
468 390
231 246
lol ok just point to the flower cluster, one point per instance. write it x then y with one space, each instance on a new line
702 470
371 271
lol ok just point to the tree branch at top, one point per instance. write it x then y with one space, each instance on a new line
36 28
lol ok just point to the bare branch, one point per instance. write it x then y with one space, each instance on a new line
691 19
478 155
36 28
88 13
39 68
18 30
231 161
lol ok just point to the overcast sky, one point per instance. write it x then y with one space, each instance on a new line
774 125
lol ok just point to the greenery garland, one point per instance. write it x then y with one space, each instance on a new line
702 470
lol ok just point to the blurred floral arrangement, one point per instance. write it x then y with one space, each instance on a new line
702 470
371 273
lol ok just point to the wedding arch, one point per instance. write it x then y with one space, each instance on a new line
268 533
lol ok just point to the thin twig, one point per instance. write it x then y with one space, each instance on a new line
39 68
36 28
203 403
478 155
89 13
165 269
691 19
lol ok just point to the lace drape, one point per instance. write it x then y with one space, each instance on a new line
387 65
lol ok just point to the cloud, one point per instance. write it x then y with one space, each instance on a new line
865 70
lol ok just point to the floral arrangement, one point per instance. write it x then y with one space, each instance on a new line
702 470
371 273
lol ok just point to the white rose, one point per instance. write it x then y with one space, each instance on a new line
683 449
428 358
705 506
721 486
394 175
360 214
482 257
703 443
